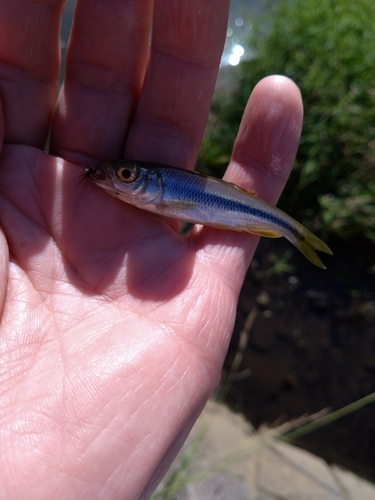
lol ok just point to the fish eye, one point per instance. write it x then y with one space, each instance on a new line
126 174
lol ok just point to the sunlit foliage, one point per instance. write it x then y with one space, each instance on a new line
327 47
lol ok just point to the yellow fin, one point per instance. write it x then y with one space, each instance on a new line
267 233
308 244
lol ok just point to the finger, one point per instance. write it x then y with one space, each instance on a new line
187 42
268 138
30 57
4 266
2 126
106 60
262 159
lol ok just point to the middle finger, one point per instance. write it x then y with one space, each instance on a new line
187 43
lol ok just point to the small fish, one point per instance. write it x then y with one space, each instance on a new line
201 199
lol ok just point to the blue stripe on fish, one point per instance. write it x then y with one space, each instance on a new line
197 197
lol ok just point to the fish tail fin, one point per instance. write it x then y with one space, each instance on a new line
303 239
307 243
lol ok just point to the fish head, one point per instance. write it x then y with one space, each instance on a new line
127 180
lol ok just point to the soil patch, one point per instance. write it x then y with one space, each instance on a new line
310 345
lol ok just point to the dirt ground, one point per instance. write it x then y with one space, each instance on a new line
308 340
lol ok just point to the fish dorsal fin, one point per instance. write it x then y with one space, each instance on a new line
247 191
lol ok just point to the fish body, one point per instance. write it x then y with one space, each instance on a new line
201 199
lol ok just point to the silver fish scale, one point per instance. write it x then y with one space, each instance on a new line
176 188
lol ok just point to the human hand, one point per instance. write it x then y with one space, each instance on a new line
114 327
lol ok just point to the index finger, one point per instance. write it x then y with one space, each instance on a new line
262 159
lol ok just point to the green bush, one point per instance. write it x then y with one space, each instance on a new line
328 49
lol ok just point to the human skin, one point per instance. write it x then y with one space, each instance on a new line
113 327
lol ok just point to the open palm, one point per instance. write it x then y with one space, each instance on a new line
114 327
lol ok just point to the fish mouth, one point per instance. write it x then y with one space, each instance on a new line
95 174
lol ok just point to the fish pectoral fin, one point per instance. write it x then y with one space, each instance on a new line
267 233
183 205
178 207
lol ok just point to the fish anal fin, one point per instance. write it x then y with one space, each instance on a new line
267 233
